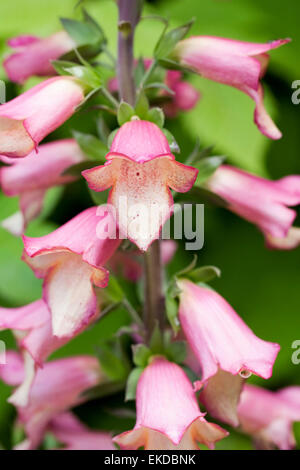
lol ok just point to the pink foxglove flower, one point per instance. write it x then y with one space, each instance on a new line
269 416
185 95
33 55
235 63
30 177
264 203
224 347
31 326
168 415
140 169
56 388
70 260
27 119
68 430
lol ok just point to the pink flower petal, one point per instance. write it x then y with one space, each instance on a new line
76 251
27 119
235 63
218 336
268 416
162 388
33 55
264 203
76 436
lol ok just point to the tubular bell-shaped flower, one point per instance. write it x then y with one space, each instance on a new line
30 177
224 347
262 202
269 416
168 415
68 430
27 119
33 55
235 63
31 325
56 388
70 260
140 169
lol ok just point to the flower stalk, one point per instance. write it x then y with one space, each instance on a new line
129 14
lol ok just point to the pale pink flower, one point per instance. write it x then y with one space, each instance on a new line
235 63
260 201
32 328
56 388
30 177
70 260
269 416
33 55
68 430
168 415
27 119
224 347
140 169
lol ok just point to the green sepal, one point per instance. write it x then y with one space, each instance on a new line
132 381
169 39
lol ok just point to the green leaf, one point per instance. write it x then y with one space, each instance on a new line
113 292
172 141
172 312
157 116
141 355
142 106
176 351
169 40
62 66
160 86
91 146
86 75
156 342
139 71
207 167
125 113
113 361
83 33
132 382
203 274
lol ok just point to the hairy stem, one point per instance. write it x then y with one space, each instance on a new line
129 15
154 299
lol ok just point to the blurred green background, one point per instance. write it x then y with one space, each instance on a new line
262 285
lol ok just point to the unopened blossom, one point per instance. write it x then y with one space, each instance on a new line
129 263
268 416
141 169
32 328
27 119
33 55
235 63
71 260
30 177
74 435
185 95
260 201
224 347
58 386
168 415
